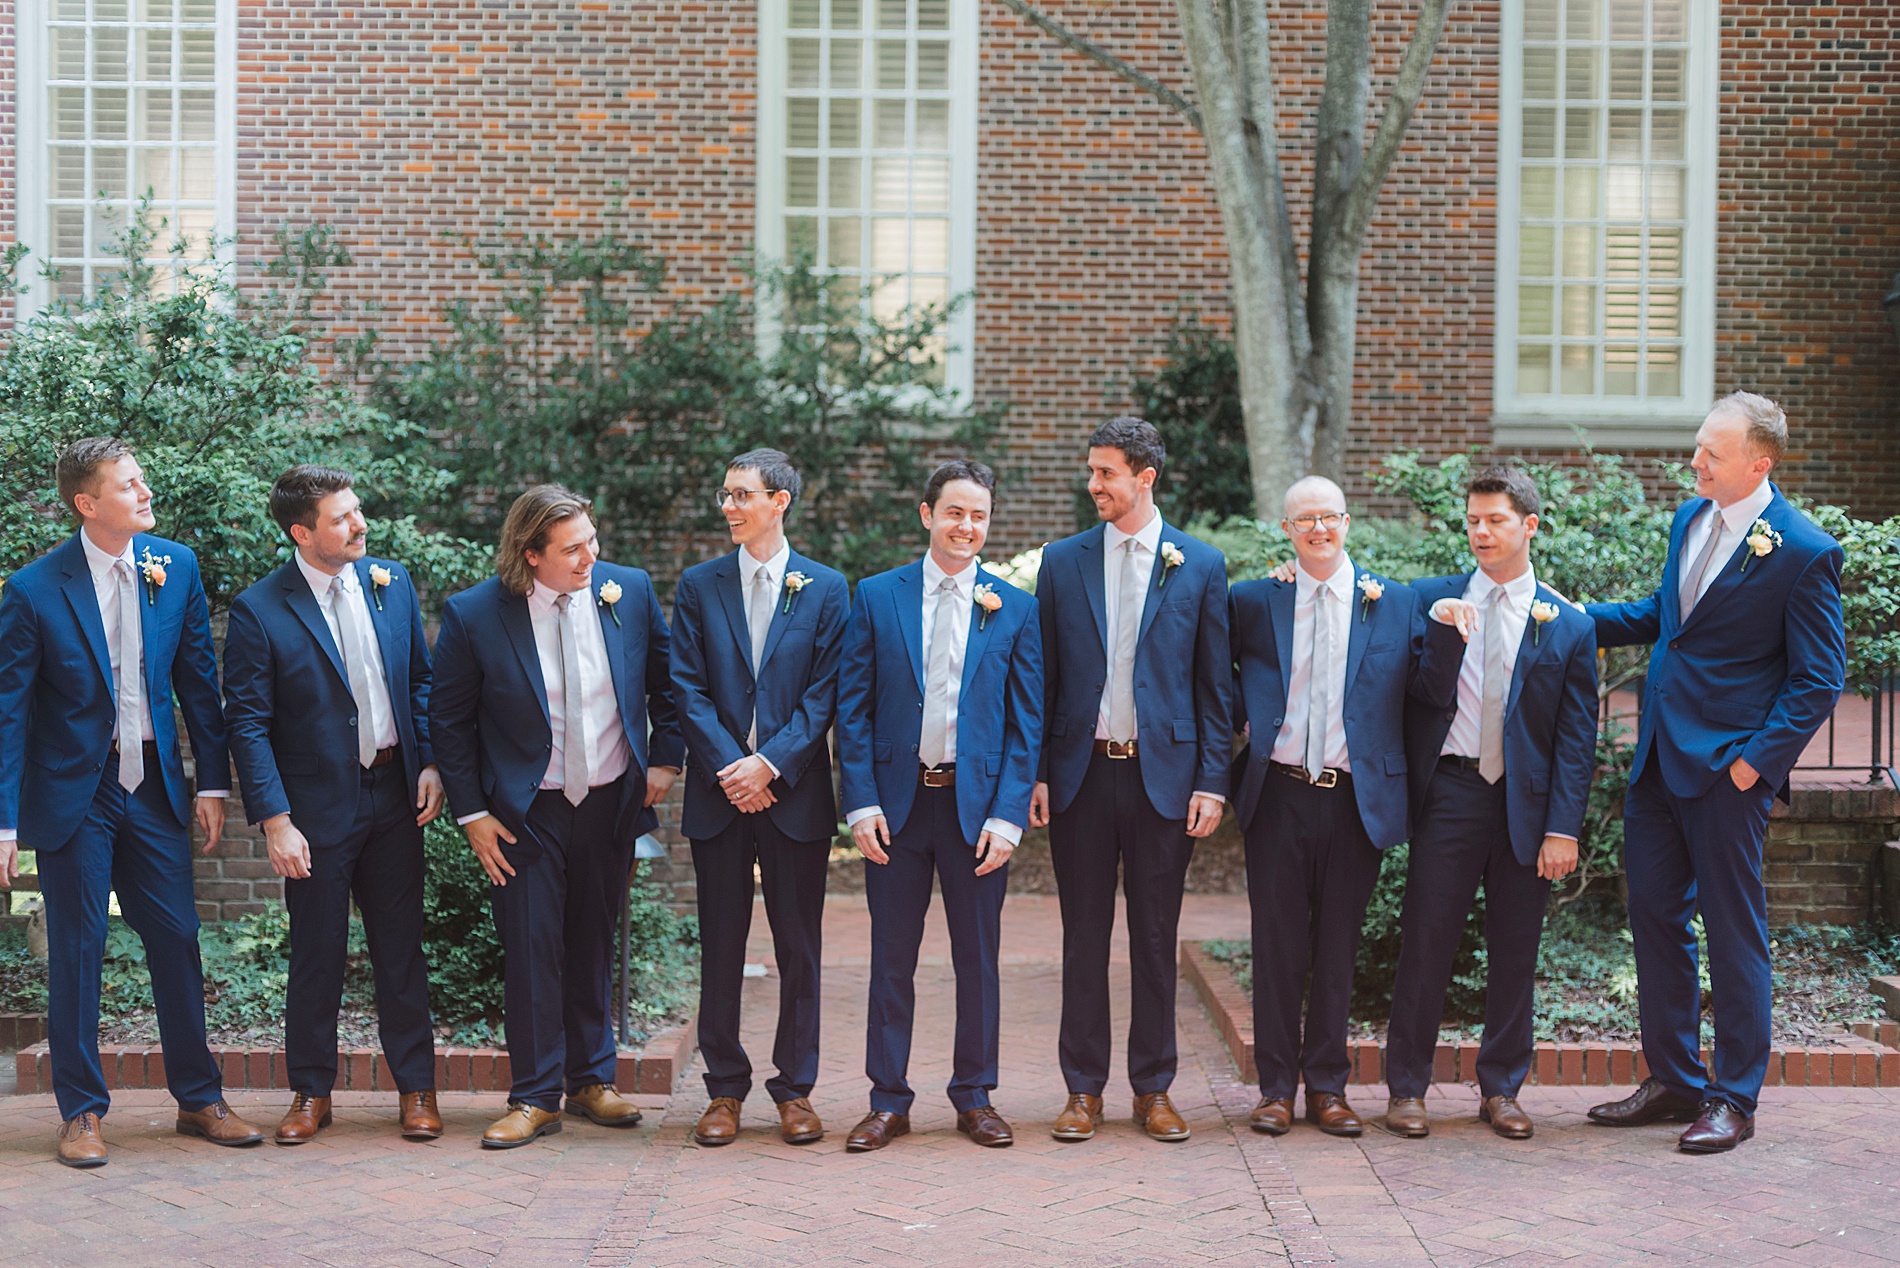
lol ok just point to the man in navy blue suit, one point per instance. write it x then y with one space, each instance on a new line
1324 664
939 710
1134 767
1499 785
546 677
756 636
95 638
326 684
1749 658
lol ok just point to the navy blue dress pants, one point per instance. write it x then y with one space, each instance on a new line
557 918
1111 826
898 892
1462 840
132 844
380 862
1310 872
792 873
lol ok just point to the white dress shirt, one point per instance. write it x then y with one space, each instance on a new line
382 715
1519 593
774 569
105 587
965 586
1735 519
1147 541
1289 745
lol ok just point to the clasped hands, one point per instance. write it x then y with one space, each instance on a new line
747 784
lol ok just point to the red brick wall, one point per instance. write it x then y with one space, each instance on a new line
7 115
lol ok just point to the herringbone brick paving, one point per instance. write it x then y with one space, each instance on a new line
1814 1188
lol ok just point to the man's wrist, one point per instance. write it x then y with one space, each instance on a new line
219 793
855 817
768 764
465 820
1213 797
1005 829
9 834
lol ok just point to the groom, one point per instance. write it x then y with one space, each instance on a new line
1748 661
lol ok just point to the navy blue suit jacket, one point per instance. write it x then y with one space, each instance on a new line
1183 669
488 707
1393 652
288 705
57 704
1755 670
881 703
796 693
1550 723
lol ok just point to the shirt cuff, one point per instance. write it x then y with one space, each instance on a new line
1213 796
214 792
465 820
856 817
768 765
1005 829
1561 836
9 834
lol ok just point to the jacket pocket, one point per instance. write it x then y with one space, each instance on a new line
1394 763
1734 713
297 764
1540 782
880 750
1058 725
993 763
1184 732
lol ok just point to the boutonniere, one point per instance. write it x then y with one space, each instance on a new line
1373 589
988 600
610 599
1171 558
1762 539
1542 613
379 579
794 582
153 568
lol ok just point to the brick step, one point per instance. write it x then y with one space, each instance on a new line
654 1069
1854 1060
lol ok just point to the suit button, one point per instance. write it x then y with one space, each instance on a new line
1279 721
1451 715
1673 642
352 721
1098 686
748 691
913 748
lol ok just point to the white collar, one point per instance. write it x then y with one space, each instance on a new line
1745 511
965 581
1518 591
320 580
542 599
750 565
1340 583
98 561
1148 536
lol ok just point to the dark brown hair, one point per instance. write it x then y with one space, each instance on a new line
294 497
1510 481
78 466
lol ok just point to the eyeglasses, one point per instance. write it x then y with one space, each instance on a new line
741 497
1327 522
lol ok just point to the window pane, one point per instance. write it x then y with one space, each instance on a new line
802 14
69 52
1626 21
1536 251
890 63
69 172
1665 313
847 15
890 15
1626 74
933 125
1580 74
1665 136
1623 252
1665 193
1626 136
155 55
1538 193
1579 373
930 245
933 66
1623 312
1581 19
801 182
1625 193
109 10
801 236
801 123
889 251
1580 250
1665 253
195 226
1533 369
846 186
1580 193
195 116
69 114
846 116
108 53
1666 20
933 15
69 232
108 114
155 173
154 114
1579 315
1666 75
1665 371
1620 365
844 242
889 134
1533 310
108 173
1540 74
197 60
801 63
930 184
1540 19
847 64
890 184
1580 134
1540 133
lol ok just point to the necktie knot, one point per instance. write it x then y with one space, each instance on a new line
561 601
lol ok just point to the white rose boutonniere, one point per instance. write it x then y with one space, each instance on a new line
1542 613
794 582
1762 540
989 601
610 593
1171 558
153 568
379 579
1373 589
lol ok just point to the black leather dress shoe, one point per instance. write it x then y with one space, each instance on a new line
1719 1128
1653 1102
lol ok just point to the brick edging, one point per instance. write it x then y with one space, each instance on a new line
1855 1061
654 1069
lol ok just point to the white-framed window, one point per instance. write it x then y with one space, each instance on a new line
1606 219
867 155
118 99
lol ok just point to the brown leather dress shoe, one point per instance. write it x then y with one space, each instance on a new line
719 1124
986 1127
1506 1116
1155 1112
520 1125
306 1116
1405 1116
1717 1129
1329 1112
421 1120
219 1124
1653 1102
602 1103
80 1142
1274 1115
877 1129
798 1122
1078 1118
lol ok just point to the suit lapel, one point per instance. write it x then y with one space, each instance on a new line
979 640
1152 603
515 619
154 617
732 599
909 597
303 604
1089 558
614 634
85 604
388 631
1730 576
781 611
1359 623
1280 601
1531 648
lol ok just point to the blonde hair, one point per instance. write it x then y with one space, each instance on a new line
1767 425
526 528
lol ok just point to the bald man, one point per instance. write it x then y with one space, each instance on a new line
1323 666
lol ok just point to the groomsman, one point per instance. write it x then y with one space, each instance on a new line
95 638
1748 660
326 684
756 636
939 710
1138 696
1499 785
546 677
1324 664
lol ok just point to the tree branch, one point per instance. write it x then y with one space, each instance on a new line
1102 57
1394 120
1260 106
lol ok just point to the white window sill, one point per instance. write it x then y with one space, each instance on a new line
1670 431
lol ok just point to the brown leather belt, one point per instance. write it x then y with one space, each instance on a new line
1330 777
149 747
1458 760
944 776
1119 752
384 756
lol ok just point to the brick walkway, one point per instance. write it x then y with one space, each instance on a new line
1816 1188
